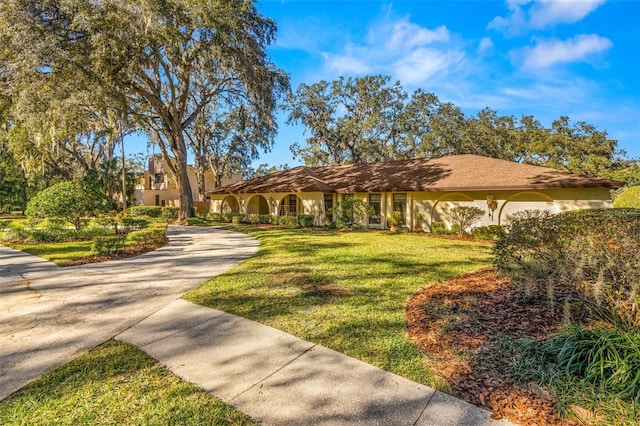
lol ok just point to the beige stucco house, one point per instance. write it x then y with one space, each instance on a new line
157 186
430 187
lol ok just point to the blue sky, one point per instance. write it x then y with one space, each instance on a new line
579 58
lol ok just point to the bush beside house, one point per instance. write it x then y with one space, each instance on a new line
596 255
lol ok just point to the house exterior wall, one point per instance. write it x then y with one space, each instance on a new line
433 206
158 185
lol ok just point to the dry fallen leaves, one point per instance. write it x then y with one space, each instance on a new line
452 322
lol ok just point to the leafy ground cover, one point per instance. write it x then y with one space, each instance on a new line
115 384
75 252
79 252
343 290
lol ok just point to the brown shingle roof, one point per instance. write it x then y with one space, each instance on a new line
452 173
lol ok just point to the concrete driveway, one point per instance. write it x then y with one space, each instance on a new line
50 315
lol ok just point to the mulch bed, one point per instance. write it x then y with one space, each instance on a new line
123 253
453 321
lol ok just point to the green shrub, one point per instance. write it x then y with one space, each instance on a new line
605 357
147 236
16 235
628 198
54 222
439 228
288 221
108 245
395 218
215 217
237 218
144 211
305 220
594 252
129 224
105 222
91 232
32 223
196 221
158 225
592 368
52 234
263 219
170 213
227 217
351 210
4 224
491 232
70 200
464 217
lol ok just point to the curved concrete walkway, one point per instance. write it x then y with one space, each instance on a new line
50 315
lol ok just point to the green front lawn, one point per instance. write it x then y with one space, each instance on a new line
59 253
115 384
343 290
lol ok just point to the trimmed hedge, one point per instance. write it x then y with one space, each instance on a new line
263 219
288 221
170 213
144 211
128 224
94 231
108 245
147 236
196 221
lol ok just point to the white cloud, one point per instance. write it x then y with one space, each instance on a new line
535 14
549 52
407 35
513 24
485 44
424 64
345 64
398 47
545 13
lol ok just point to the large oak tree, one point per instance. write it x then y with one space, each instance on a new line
165 61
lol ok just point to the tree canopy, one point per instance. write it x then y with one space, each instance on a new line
156 65
70 200
359 120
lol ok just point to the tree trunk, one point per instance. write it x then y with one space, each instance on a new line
179 150
200 175
186 197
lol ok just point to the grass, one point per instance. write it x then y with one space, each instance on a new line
59 253
115 384
591 372
343 290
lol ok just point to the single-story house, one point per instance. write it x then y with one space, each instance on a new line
426 186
